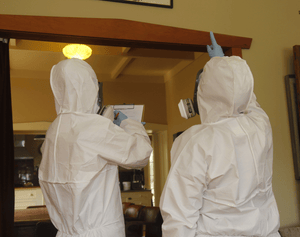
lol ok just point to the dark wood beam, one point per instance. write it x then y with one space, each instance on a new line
296 52
113 32
234 52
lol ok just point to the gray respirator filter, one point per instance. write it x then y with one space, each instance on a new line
187 107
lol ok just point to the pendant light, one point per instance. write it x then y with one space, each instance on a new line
80 51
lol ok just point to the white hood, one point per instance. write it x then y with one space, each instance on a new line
75 87
225 89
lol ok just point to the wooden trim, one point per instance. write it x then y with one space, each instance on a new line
296 51
144 3
234 52
113 32
7 146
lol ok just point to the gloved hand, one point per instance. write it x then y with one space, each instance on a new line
214 49
119 117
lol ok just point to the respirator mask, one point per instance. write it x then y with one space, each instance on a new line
100 97
187 107
106 111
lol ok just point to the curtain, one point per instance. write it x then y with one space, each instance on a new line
6 145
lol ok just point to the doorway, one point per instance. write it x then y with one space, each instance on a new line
97 31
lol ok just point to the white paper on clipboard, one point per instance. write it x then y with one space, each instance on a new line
135 112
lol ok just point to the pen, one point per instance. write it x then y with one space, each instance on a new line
116 115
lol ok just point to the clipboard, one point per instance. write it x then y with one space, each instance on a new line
135 112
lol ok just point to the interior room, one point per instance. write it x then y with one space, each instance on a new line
129 76
271 26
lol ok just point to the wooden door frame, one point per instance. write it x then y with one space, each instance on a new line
296 54
111 32
115 32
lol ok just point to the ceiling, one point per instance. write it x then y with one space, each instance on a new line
34 59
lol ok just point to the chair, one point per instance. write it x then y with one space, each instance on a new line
290 231
152 218
126 205
133 224
45 229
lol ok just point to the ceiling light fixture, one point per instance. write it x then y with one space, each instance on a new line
80 51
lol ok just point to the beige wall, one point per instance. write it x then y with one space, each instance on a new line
152 95
271 23
33 101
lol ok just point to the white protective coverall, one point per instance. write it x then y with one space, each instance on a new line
220 181
81 153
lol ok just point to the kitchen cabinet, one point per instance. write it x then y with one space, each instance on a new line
138 197
25 197
25 221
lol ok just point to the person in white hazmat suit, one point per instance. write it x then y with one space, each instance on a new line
81 153
220 181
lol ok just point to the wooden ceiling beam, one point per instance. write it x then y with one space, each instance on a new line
120 67
125 49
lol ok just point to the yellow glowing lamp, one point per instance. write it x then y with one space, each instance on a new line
80 51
